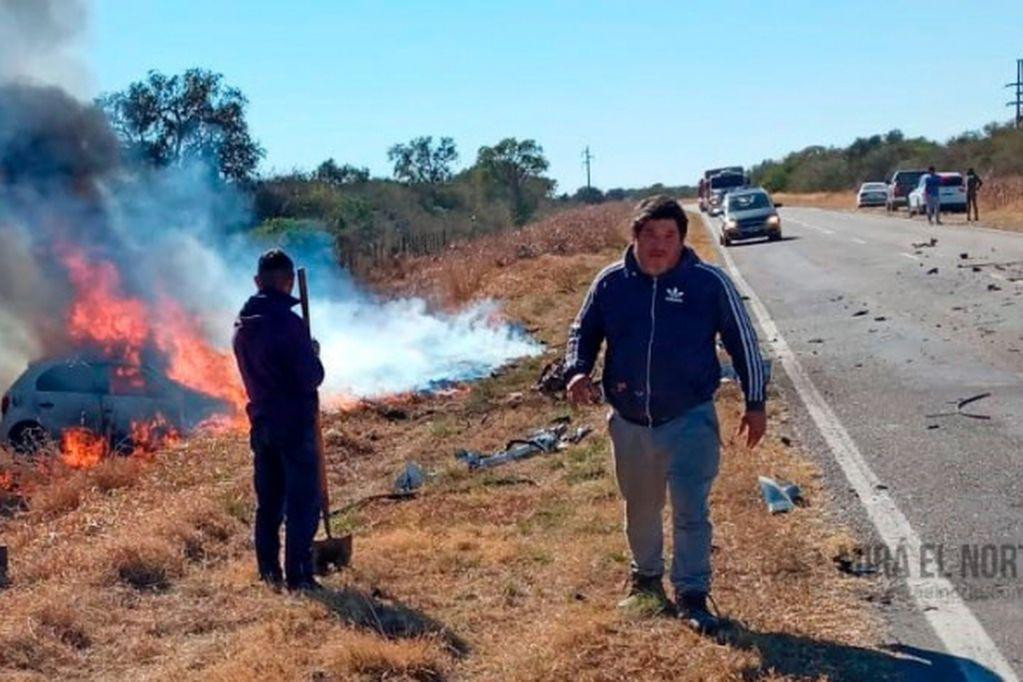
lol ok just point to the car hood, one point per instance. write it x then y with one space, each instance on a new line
752 213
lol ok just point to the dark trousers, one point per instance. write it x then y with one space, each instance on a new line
287 487
971 202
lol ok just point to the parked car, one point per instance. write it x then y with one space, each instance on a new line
749 213
900 185
106 397
872 194
720 185
951 195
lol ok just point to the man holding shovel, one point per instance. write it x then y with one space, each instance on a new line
281 370
659 310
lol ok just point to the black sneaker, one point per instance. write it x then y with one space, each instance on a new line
274 581
692 610
646 596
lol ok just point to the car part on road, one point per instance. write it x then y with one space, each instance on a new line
779 497
410 479
960 404
926 245
542 441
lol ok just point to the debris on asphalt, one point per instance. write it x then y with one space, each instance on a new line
542 441
926 245
880 318
816 340
861 313
960 404
993 287
410 479
786 441
964 256
778 496
932 271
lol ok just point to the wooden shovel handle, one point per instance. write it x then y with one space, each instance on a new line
321 455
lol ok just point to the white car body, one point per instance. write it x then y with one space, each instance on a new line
54 395
951 194
872 194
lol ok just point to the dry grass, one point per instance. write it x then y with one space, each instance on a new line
509 574
839 200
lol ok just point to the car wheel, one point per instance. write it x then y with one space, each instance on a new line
29 438
726 242
776 236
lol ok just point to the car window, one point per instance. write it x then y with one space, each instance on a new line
69 378
127 380
722 181
951 180
747 202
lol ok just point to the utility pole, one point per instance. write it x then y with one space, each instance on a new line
1018 102
587 157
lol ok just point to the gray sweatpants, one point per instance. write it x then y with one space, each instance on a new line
682 457
933 205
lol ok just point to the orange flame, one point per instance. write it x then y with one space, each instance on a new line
6 480
193 362
82 448
122 327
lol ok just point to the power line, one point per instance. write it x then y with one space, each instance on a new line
1018 102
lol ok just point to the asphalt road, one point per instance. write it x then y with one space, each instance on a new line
893 331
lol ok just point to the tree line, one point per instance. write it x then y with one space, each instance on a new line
995 150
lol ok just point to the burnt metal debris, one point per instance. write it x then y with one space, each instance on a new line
541 441
552 378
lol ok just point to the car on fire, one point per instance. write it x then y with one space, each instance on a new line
747 214
103 396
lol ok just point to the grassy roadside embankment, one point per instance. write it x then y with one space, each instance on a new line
144 570
1001 203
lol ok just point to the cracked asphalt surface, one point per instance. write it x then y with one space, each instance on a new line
893 329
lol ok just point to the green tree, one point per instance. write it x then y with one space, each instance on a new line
194 115
588 195
420 161
346 174
516 168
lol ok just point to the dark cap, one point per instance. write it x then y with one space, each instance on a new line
275 260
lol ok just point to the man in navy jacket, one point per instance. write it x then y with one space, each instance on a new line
660 310
281 370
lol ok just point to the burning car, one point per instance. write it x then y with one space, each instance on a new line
92 406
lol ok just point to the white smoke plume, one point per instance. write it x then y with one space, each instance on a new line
177 234
40 42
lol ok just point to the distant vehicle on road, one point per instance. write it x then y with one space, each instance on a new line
747 214
951 195
54 395
901 184
872 194
720 185
704 187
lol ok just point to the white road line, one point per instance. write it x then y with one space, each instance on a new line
812 227
856 240
948 615
908 255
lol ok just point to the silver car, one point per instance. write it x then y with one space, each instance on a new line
872 194
749 213
54 395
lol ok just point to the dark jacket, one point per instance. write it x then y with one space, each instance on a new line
661 356
277 362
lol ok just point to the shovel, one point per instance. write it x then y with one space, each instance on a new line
330 552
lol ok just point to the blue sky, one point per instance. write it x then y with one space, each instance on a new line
658 90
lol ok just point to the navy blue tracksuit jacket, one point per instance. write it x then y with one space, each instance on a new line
661 356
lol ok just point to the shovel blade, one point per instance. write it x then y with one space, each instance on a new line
332 554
